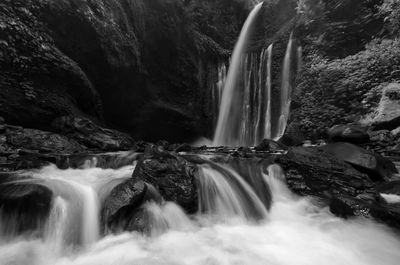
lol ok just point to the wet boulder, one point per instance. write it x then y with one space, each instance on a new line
92 135
171 175
350 133
24 204
122 202
375 165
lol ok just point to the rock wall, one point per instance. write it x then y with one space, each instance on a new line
131 64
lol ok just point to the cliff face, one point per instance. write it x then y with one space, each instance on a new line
37 80
134 65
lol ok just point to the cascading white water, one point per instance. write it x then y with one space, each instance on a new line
165 217
224 195
228 125
78 196
217 86
268 113
286 89
296 231
254 101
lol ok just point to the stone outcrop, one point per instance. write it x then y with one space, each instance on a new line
387 114
350 133
89 134
132 65
376 166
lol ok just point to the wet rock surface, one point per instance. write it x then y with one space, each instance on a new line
92 135
122 203
78 140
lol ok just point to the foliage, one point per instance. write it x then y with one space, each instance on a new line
343 90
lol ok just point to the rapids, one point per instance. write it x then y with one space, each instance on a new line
293 230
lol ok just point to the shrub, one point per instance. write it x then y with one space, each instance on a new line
344 90
391 10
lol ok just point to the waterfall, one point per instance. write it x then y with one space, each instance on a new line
245 110
253 120
286 89
268 122
228 125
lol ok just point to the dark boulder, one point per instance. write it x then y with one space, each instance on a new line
122 202
375 165
123 208
171 175
270 146
24 204
350 133
92 135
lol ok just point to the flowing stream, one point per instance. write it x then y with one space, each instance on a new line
233 226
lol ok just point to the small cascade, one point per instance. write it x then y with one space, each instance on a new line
286 89
223 194
165 217
74 215
228 125
56 225
276 182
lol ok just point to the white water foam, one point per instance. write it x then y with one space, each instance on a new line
296 232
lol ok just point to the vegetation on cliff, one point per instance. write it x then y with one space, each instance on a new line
351 54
